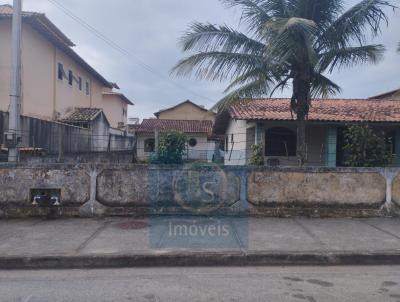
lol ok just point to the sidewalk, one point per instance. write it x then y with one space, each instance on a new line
123 242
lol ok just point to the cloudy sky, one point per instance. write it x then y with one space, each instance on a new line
150 29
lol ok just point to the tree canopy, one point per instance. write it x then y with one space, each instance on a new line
287 43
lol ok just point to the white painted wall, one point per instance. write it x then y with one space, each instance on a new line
203 151
235 150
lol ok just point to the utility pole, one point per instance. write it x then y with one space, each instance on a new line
13 136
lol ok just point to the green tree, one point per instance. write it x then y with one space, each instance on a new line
287 43
171 147
365 147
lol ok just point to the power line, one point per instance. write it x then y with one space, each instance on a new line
120 49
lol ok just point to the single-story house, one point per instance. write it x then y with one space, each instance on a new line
187 117
270 122
198 133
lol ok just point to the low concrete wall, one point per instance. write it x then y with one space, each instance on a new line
316 188
396 190
16 185
163 187
100 189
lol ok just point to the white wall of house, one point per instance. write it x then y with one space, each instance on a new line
204 149
141 154
243 133
236 143
200 151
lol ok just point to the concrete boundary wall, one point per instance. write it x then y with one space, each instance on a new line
140 190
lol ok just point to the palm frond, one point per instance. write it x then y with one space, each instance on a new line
291 39
256 88
208 37
217 65
322 12
350 56
245 78
353 24
323 87
253 13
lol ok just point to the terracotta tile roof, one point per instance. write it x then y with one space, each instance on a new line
187 126
83 115
332 110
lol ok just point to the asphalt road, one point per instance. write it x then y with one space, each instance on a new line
298 284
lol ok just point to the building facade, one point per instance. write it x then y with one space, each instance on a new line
193 120
55 79
269 122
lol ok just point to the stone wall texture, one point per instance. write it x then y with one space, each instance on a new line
167 187
123 187
396 190
16 185
128 189
319 188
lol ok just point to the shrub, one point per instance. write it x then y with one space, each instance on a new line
257 156
171 147
366 147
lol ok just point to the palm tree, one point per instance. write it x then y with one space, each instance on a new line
287 43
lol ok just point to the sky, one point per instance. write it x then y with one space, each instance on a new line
150 30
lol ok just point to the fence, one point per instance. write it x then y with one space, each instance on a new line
240 151
40 137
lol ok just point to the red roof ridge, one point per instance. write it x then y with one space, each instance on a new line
334 110
187 126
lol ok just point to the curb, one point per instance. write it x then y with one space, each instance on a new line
199 259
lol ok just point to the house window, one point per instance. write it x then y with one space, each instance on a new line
80 83
87 88
60 71
149 145
192 142
280 141
70 77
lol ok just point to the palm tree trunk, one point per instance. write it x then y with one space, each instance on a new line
301 139
300 105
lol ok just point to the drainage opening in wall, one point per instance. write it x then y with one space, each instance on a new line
46 197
